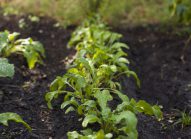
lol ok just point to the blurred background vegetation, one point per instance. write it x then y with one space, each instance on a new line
115 12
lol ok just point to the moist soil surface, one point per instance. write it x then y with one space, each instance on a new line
158 56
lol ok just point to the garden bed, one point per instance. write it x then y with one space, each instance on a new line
154 54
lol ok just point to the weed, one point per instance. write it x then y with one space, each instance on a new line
183 118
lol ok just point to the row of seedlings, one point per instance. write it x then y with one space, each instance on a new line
90 85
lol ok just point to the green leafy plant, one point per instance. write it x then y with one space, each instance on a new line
120 122
90 85
93 40
33 51
96 110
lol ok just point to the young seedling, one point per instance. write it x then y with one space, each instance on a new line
33 51
183 118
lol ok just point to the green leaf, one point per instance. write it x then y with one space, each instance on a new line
73 135
132 73
73 71
123 60
90 103
3 40
146 108
69 109
50 96
31 56
157 112
89 134
113 68
87 63
103 97
118 45
129 120
72 101
9 116
143 106
89 119
6 69
13 36
101 135
58 84
38 47
33 51
123 97
80 82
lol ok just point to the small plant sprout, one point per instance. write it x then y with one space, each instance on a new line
183 118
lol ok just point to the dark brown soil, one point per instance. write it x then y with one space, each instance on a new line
155 55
